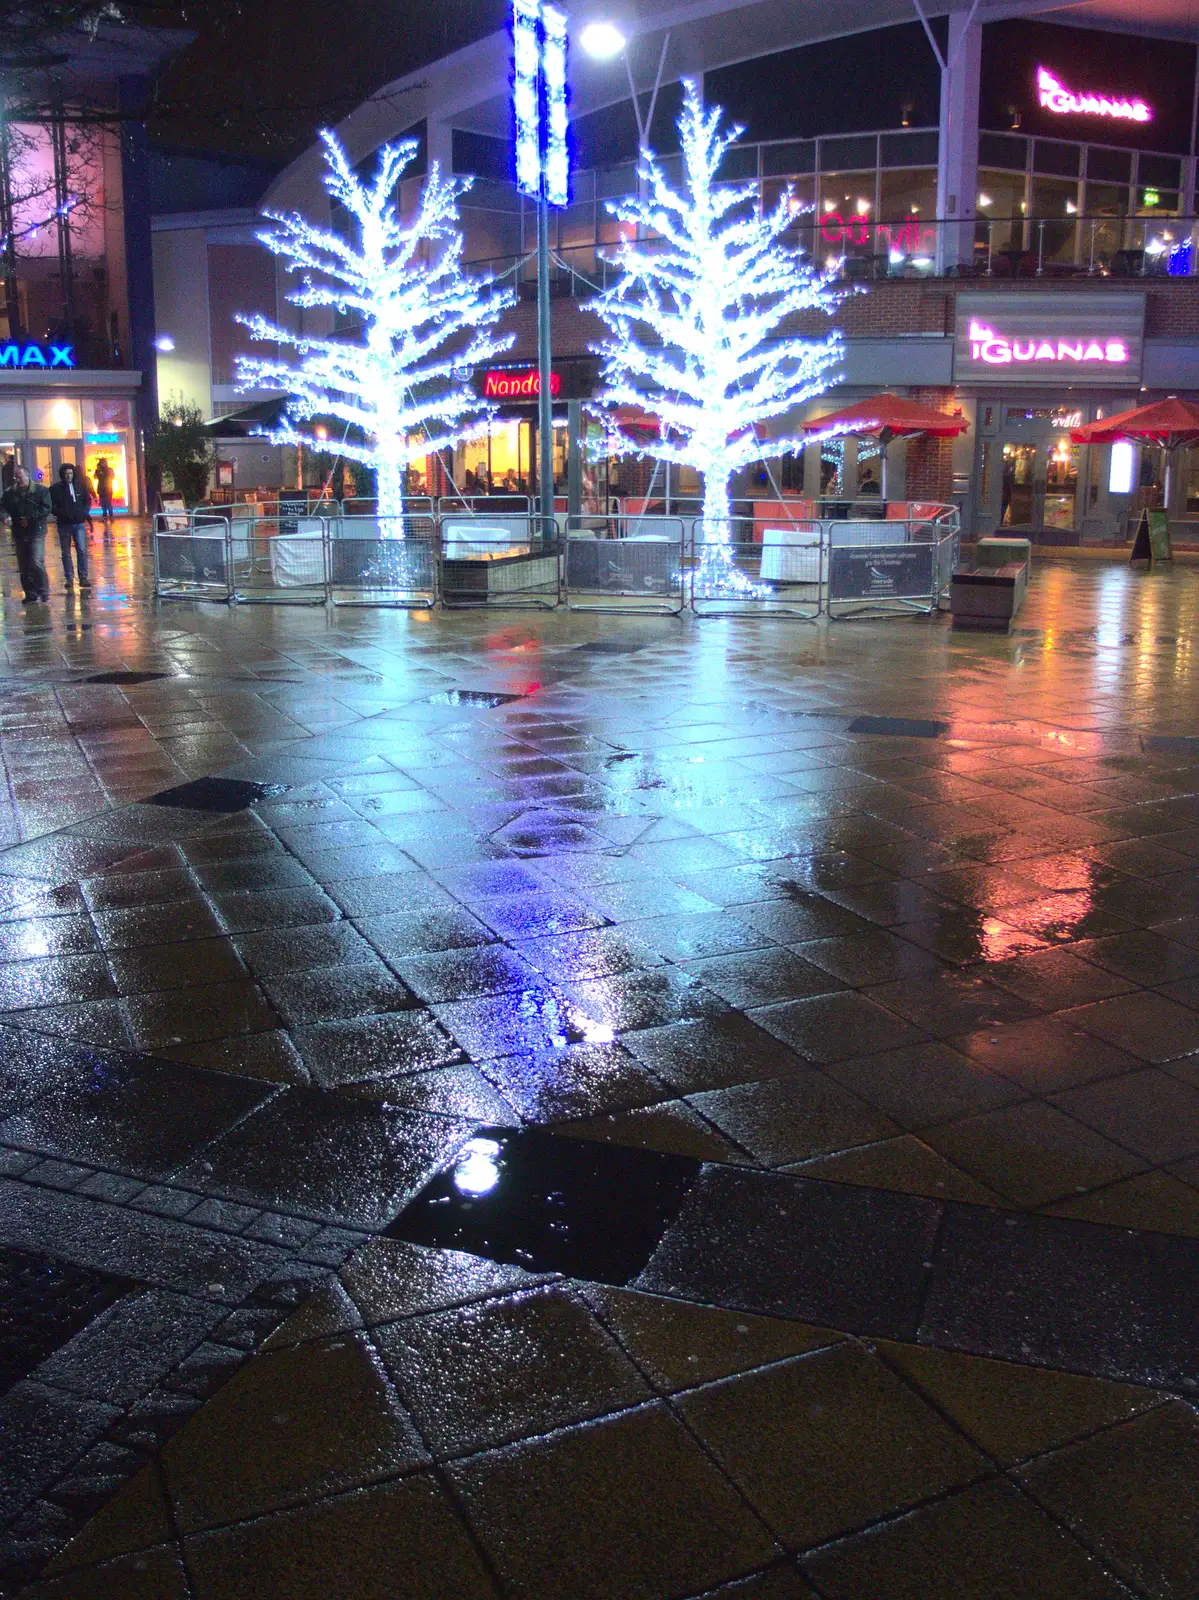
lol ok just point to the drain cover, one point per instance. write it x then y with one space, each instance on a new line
216 794
902 727
551 1204
471 697
126 678
43 1303
610 647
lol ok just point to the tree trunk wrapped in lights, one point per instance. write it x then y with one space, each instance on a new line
396 382
700 321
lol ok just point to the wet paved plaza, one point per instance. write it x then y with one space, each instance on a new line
558 1106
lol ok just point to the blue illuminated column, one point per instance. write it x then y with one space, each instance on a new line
543 174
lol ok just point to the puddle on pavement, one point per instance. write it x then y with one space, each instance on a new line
551 1204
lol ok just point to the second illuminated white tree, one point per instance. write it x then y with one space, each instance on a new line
396 378
702 322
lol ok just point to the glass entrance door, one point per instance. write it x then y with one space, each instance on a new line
50 454
1022 486
1061 483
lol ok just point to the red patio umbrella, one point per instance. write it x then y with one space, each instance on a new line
1173 423
889 416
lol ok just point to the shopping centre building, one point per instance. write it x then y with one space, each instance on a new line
77 367
1010 186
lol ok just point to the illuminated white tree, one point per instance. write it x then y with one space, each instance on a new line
397 379
701 321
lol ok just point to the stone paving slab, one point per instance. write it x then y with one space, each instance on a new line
881 938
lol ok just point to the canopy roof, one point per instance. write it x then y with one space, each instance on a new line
255 418
889 415
1171 422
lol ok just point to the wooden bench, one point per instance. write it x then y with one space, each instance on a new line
987 597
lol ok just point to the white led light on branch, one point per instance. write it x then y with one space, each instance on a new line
397 385
699 325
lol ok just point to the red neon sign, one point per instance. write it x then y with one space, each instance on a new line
525 384
1063 102
908 238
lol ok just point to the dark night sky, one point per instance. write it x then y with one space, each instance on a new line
263 75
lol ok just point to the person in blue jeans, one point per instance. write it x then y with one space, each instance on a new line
72 502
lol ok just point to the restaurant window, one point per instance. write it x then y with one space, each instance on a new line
1062 160
1159 172
797 155
1190 481
904 195
802 202
1105 208
907 150
1157 202
848 195
1000 150
740 161
1111 166
1002 206
1053 207
848 154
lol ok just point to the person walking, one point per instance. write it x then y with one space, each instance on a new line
27 507
71 502
8 473
104 476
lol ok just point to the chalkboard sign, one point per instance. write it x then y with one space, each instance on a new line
881 572
1159 536
291 508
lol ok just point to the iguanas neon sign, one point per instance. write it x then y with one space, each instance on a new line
992 348
1063 102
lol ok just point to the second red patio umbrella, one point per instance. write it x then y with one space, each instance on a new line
889 416
1171 423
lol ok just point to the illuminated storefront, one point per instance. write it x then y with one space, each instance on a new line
50 418
1038 365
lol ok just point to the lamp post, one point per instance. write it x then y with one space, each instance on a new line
542 174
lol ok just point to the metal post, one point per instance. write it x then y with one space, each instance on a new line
1040 249
545 399
574 464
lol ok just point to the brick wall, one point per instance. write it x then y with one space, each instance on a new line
930 461
889 309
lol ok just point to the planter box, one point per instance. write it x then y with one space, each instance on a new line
481 578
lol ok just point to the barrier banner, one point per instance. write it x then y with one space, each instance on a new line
881 572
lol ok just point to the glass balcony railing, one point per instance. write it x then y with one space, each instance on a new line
861 250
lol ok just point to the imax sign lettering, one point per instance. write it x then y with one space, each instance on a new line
1037 341
22 356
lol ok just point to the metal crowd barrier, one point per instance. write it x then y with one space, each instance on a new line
733 574
626 565
191 557
279 560
887 568
645 564
374 562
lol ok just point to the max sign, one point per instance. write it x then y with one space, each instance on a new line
37 355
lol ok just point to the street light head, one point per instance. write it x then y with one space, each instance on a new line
602 40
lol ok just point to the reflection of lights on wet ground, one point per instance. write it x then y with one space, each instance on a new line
477 1169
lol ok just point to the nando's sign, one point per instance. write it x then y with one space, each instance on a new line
520 385
523 384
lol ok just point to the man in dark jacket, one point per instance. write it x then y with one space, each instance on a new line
27 507
72 502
